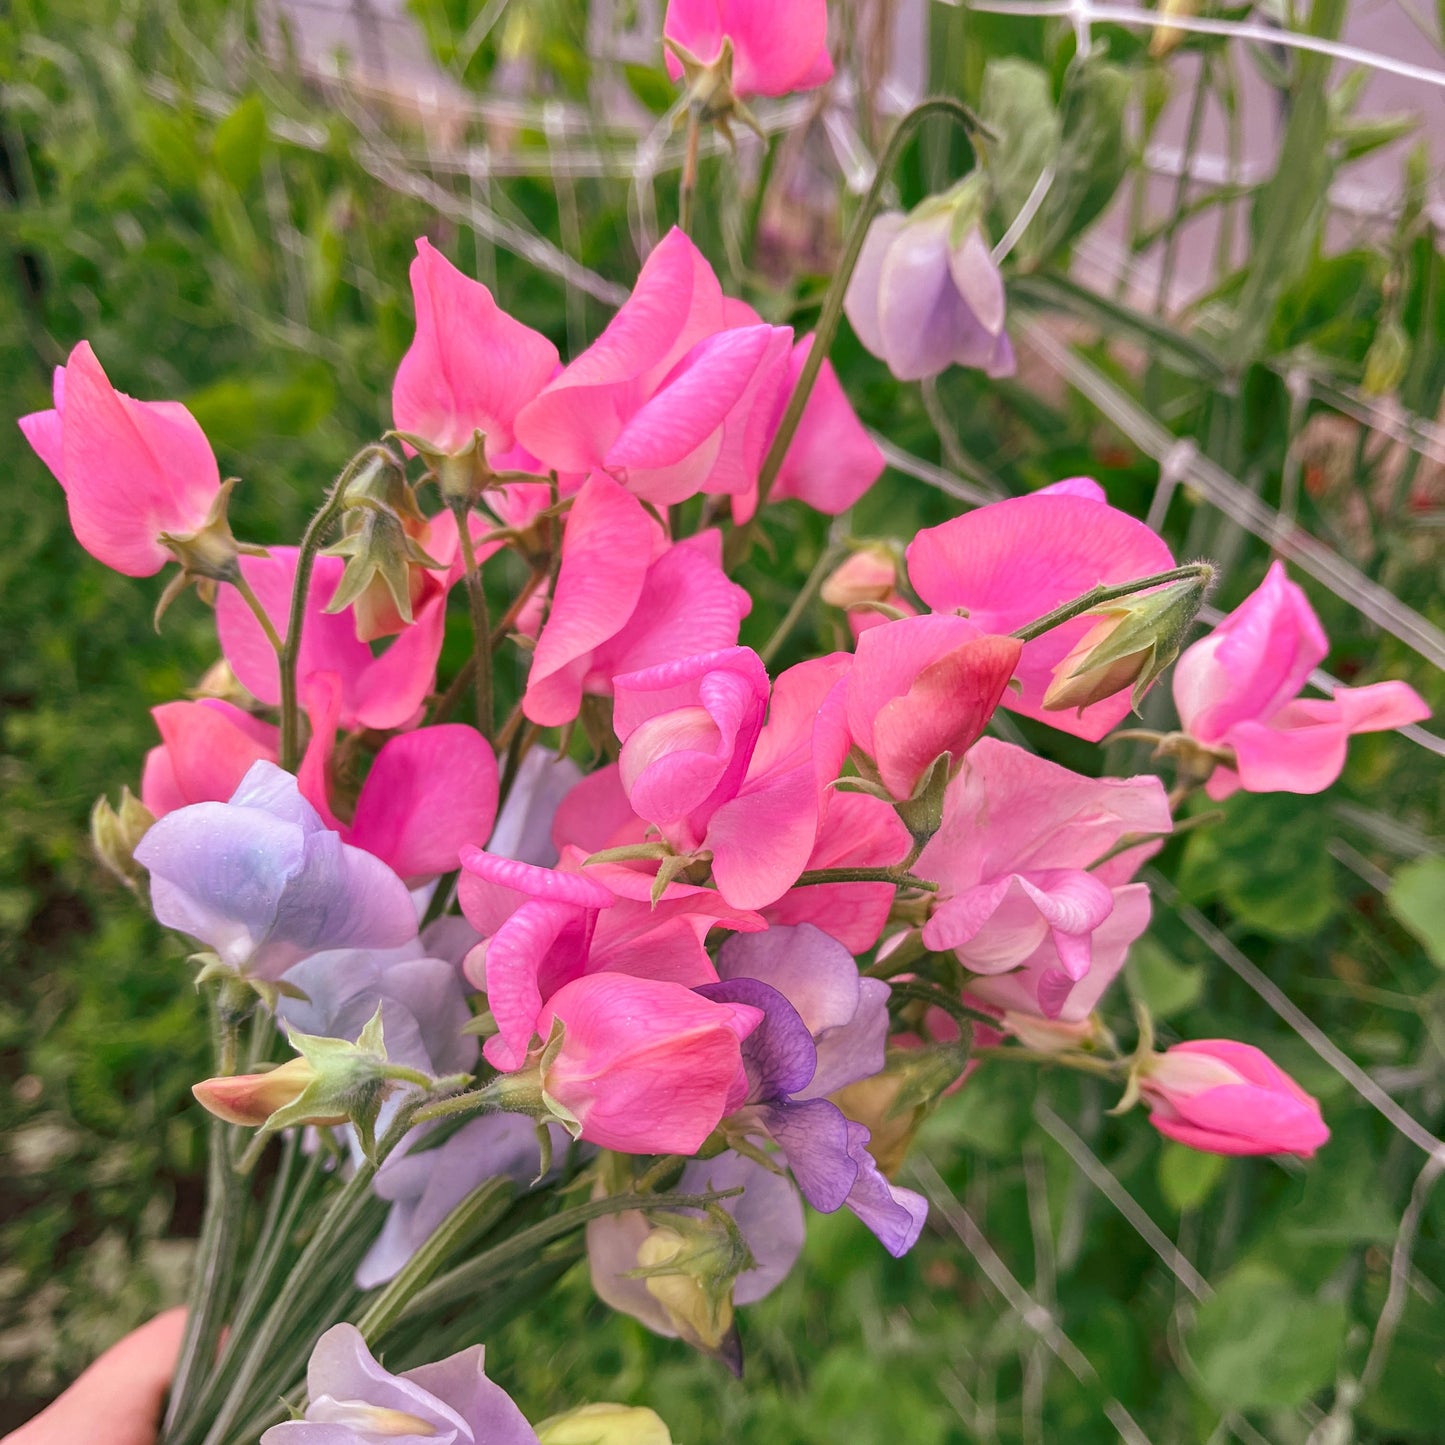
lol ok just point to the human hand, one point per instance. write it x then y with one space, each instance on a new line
118 1400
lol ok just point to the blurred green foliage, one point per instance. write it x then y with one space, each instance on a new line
216 228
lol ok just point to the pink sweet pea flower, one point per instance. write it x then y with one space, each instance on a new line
672 398
1228 1098
471 367
206 748
1008 563
921 687
644 1067
1237 690
384 690
625 601
831 461
688 729
1013 858
130 469
779 46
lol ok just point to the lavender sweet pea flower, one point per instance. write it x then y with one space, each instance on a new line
425 1185
926 293
352 1400
262 881
768 1213
524 826
826 1152
423 1004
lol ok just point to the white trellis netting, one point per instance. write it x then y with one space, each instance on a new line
372 58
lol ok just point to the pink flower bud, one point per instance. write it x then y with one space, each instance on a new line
1229 1098
643 1066
869 575
130 469
251 1099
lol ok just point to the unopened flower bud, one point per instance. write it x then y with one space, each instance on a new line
605 1424
869 575
690 1267
114 834
1049 1036
1166 37
1132 641
894 1103
251 1099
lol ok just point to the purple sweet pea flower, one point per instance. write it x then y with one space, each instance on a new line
262 880
768 1214
425 1185
826 1152
422 1000
352 1400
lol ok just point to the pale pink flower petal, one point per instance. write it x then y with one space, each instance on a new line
130 469
1011 562
471 366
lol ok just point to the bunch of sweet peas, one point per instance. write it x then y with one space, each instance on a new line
729 960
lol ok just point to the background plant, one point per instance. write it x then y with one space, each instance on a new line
231 234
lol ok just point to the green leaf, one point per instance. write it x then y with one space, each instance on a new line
1258 1343
1187 1177
1016 104
1156 978
240 142
1094 157
1417 899
650 84
1268 862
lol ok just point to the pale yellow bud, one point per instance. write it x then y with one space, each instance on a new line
605 1424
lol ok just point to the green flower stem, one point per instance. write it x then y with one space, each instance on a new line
832 555
899 879
474 1101
687 184
214 1267
248 596
481 627
296 1286
938 998
311 540
1097 596
1084 1063
469 1221
832 312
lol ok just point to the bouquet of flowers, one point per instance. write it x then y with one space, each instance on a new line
637 963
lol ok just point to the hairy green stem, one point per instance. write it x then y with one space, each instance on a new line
1097 596
311 540
832 312
481 626
865 875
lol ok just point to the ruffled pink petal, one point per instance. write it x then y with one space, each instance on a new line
1301 750
428 793
676 302
208 747
607 546
131 469
831 461
1009 563
471 367
1254 661
596 814
1379 707
778 47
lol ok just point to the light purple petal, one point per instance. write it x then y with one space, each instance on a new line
524 826
779 1054
895 1215
814 1138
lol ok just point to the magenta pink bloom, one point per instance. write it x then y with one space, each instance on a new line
1009 563
921 687
471 367
1229 1098
1237 690
831 461
1013 858
130 469
206 748
674 397
645 1067
625 601
688 729
779 46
